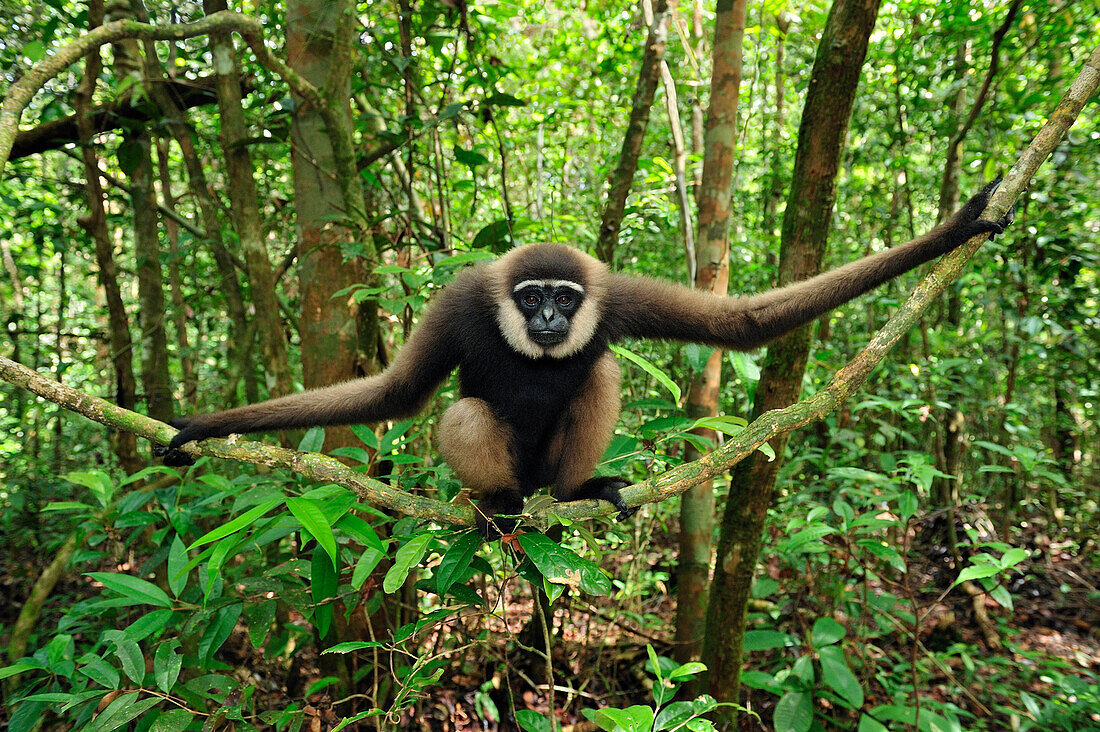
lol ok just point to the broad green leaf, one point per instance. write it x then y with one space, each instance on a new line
826 631
133 662
177 560
247 518
99 671
312 518
166 665
456 560
99 483
835 673
366 563
561 566
313 440
1014 556
763 640
132 588
645 365
530 721
323 583
976 571
794 712
217 631
148 624
259 617
632 719
407 557
174 720
870 724
687 670
122 710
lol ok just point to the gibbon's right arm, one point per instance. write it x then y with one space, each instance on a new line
649 308
402 390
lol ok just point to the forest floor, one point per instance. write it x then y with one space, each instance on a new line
599 654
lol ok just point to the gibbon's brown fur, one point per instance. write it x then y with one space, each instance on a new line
529 334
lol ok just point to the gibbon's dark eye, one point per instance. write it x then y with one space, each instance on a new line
565 300
531 300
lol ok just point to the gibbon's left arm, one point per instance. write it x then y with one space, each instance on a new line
402 390
647 308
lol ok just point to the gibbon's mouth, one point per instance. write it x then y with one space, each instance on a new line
547 337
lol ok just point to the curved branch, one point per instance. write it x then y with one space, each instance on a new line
657 488
20 93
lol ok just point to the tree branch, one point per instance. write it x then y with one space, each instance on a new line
657 488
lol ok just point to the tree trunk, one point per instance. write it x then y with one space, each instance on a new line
339 337
244 207
824 124
622 178
712 274
135 157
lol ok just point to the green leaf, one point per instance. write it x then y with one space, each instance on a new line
217 631
351 646
835 673
794 712
68 506
174 720
531 721
764 640
632 719
907 505
976 571
312 518
133 662
826 632
368 560
259 617
456 560
870 724
687 670
650 369
99 671
1014 556
561 566
313 440
148 624
139 591
122 710
98 482
407 557
246 519
177 560
166 665
323 583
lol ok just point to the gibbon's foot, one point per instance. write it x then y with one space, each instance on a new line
976 206
606 489
488 511
189 429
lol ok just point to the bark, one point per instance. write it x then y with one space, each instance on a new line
57 133
824 125
244 207
135 156
175 282
622 178
712 274
339 337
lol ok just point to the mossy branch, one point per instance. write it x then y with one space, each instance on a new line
670 483
20 93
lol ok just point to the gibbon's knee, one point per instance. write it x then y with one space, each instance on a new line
477 446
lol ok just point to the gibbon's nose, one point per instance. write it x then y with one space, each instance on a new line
548 314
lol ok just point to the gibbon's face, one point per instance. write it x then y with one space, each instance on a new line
548 299
548 306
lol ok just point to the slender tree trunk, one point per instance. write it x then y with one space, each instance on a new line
175 282
124 444
824 125
135 157
712 274
244 207
622 178
339 337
